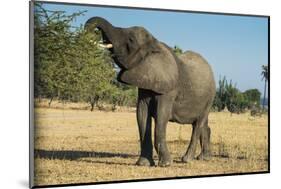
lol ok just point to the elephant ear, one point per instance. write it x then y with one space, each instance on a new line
154 68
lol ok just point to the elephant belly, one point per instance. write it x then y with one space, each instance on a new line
186 112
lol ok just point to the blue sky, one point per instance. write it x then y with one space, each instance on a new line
235 46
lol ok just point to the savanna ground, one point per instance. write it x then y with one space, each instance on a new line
78 146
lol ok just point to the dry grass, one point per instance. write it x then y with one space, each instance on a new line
82 146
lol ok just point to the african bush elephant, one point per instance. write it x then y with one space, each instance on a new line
170 88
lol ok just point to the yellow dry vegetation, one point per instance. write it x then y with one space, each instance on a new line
79 146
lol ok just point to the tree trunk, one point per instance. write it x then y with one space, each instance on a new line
264 95
94 102
92 106
50 101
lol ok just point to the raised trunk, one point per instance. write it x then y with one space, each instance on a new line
97 22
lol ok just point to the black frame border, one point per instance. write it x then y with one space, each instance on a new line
31 97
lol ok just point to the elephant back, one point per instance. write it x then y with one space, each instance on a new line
196 78
190 57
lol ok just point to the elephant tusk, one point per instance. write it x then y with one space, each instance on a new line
107 46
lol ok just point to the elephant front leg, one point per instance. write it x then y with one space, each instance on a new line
162 117
161 145
144 124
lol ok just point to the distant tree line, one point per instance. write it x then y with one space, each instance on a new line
69 65
228 96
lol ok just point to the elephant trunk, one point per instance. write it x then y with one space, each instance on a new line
107 29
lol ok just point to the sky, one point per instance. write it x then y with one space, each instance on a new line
235 46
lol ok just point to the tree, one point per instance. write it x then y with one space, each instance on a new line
264 74
253 97
177 50
232 98
68 63
53 43
97 73
229 96
220 98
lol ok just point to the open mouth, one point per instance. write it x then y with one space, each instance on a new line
104 42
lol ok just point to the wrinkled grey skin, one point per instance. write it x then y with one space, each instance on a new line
170 88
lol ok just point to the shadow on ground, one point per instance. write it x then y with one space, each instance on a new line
73 155
107 162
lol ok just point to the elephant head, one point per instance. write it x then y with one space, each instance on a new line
144 61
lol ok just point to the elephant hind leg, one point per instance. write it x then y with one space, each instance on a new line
197 127
205 142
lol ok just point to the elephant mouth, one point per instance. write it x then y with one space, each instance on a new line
105 42
106 46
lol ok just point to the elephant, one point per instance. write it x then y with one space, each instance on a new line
170 88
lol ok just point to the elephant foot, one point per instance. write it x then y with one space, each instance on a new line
204 156
143 161
186 159
165 162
